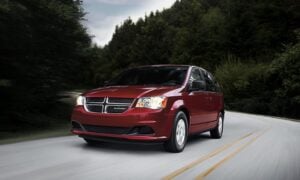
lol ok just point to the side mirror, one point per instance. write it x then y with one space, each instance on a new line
197 85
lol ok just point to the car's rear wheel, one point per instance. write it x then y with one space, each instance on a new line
179 135
217 132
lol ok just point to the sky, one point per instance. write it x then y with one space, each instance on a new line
103 15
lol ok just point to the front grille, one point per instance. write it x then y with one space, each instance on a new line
105 129
94 100
94 108
107 105
120 100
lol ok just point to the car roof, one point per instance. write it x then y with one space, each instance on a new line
169 65
165 65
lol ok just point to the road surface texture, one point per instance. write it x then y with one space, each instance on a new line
252 147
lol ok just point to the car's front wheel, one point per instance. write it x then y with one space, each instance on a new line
179 135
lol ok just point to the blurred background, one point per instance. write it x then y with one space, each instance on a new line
49 55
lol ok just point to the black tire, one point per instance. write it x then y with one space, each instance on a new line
91 142
217 132
173 144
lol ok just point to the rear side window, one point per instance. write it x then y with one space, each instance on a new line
218 87
210 84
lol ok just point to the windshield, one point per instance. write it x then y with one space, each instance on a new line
163 76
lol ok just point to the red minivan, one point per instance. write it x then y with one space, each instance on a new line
158 103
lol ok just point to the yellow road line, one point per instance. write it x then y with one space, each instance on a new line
215 166
200 160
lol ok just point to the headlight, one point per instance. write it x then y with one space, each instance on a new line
79 101
156 102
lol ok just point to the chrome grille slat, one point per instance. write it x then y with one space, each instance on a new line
119 100
107 104
95 100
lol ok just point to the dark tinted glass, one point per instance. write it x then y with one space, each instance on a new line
210 84
164 76
195 75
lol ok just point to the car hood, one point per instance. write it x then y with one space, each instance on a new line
132 91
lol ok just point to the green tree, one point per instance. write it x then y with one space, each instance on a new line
44 49
284 82
236 39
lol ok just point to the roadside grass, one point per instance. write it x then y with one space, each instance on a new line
53 123
265 115
11 137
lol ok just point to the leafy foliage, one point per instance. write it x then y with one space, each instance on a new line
284 80
44 48
244 85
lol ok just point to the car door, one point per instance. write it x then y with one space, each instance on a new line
197 102
213 96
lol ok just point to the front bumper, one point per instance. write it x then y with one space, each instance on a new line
108 137
157 120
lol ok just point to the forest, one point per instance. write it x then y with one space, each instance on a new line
252 47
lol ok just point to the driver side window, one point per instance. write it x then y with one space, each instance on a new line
195 75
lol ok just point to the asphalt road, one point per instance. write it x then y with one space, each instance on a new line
252 147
